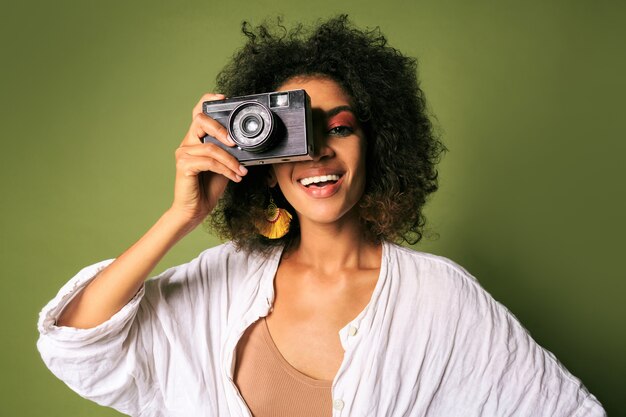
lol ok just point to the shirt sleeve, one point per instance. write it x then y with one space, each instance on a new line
530 380
502 368
104 364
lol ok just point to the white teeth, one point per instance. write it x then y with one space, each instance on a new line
322 178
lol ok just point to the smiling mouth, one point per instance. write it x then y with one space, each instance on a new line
319 181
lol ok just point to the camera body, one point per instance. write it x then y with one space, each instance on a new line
268 128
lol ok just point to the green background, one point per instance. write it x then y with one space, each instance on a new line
528 96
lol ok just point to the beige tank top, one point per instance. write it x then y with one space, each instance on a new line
270 386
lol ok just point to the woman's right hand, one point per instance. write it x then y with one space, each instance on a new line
195 197
114 286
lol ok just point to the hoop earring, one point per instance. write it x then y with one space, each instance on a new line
276 222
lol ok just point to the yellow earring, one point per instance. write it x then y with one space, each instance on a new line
276 222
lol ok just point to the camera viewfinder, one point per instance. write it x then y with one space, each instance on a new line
279 100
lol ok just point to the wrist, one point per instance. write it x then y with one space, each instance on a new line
180 220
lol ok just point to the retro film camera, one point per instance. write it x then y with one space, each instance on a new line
268 128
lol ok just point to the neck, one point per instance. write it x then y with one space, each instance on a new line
331 248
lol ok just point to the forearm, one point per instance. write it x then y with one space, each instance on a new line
116 285
120 281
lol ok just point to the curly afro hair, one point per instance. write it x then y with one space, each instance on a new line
402 150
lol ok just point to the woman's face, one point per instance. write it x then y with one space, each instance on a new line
325 189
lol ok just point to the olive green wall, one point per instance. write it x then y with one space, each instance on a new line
528 97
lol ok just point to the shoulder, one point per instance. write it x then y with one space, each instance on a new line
217 269
425 268
221 260
227 260
223 253
220 267
479 342
440 287
424 260
466 314
209 283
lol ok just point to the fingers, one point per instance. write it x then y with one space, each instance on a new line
206 97
192 166
203 125
191 160
193 156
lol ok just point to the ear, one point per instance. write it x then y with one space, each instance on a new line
271 177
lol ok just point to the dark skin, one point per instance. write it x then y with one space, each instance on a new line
327 279
309 310
322 283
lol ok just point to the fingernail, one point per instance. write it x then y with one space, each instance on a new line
238 177
243 170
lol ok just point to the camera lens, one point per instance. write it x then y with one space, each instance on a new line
250 126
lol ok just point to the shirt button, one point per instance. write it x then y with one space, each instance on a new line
352 331
338 405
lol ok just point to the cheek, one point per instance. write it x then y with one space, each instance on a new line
362 166
281 173
360 155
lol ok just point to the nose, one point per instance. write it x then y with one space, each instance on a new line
322 148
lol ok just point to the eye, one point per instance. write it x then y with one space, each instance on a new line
341 131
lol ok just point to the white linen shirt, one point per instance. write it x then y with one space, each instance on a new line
430 343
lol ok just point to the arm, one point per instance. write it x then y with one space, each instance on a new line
119 282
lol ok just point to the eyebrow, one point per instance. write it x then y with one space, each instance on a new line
335 111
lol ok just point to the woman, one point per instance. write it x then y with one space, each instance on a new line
317 313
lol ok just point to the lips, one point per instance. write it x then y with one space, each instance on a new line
319 181
317 171
321 186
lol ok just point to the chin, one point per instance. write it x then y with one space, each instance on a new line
326 216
